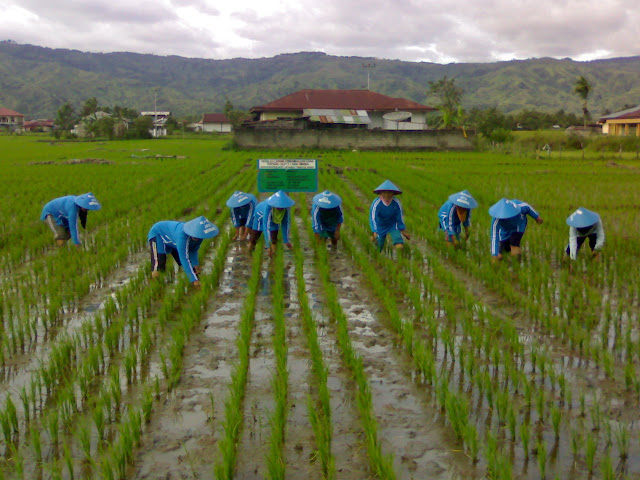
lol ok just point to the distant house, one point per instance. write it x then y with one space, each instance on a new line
623 123
341 108
159 128
11 120
38 126
215 122
81 129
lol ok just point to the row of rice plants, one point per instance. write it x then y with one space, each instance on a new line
319 409
232 423
279 381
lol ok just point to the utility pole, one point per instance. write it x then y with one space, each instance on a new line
368 66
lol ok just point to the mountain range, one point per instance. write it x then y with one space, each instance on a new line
36 81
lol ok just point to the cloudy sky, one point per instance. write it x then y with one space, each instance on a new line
442 31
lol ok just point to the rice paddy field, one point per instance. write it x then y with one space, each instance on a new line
321 362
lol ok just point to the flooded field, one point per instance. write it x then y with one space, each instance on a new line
323 361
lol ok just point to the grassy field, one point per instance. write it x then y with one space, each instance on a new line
320 362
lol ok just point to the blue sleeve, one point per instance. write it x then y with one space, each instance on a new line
266 226
341 215
182 245
72 215
400 221
373 219
467 222
529 210
285 226
315 219
251 213
234 218
447 220
194 246
495 238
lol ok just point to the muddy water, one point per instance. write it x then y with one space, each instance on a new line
409 426
181 441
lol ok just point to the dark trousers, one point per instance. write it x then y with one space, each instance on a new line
592 242
256 234
159 260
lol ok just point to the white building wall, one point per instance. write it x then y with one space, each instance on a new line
216 127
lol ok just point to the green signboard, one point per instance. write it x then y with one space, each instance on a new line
288 174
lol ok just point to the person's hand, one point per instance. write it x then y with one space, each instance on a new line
196 284
288 244
197 269
155 274
467 234
406 235
539 220
374 236
497 258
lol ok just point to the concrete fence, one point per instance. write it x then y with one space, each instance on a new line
354 139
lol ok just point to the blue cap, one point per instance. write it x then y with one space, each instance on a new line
200 228
463 199
387 186
280 200
88 201
582 218
504 209
327 199
238 199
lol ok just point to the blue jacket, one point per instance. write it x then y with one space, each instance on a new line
258 215
383 218
449 221
243 216
170 236
319 225
268 224
501 229
64 211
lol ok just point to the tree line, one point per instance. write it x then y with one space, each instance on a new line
121 122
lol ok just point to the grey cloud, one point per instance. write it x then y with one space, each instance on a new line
120 11
462 30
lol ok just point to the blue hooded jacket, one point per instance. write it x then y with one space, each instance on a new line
318 224
384 218
170 236
449 221
501 229
263 222
243 216
64 211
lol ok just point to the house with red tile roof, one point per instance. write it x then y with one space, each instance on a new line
355 108
623 123
38 125
11 120
215 122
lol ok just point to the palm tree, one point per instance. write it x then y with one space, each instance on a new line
582 88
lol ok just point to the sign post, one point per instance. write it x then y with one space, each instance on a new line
288 174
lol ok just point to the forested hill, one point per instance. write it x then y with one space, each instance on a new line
36 81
